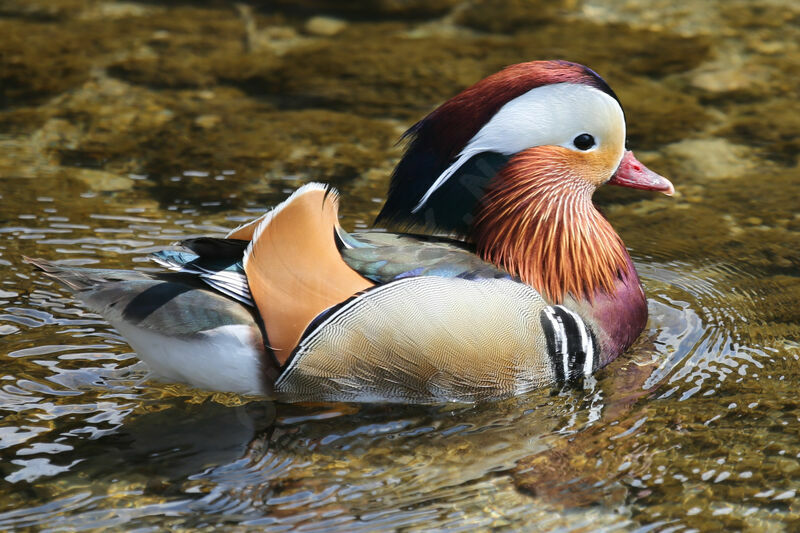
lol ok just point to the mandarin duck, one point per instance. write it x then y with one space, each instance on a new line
512 281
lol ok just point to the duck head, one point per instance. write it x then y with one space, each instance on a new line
511 164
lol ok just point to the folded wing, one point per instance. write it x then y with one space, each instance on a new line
293 265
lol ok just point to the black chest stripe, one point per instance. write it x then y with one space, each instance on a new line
550 326
571 345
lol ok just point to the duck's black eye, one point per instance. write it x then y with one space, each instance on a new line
584 141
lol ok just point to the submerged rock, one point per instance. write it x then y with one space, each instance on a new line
727 80
35 66
712 158
771 126
325 26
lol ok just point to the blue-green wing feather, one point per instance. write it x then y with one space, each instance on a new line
379 257
385 257
218 262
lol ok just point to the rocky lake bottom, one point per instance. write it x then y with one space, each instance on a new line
126 126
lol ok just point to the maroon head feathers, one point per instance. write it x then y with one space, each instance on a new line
456 121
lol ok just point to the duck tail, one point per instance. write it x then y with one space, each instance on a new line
78 279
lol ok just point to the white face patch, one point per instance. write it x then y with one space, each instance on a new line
551 115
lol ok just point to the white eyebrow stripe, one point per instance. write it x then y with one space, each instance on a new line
548 115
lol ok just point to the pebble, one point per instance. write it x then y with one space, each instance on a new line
207 121
712 158
325 26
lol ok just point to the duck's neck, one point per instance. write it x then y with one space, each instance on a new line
542 227
546 231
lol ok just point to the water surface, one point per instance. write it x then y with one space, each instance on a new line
125 126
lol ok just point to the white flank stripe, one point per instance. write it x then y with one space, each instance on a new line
586 342
587 365
560 337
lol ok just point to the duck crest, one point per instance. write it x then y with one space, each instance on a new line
436 141
541 226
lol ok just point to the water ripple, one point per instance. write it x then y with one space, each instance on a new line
704 319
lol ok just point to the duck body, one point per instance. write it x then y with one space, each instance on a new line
531 288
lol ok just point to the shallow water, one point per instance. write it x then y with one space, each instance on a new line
127 126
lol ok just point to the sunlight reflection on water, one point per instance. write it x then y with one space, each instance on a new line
693 429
